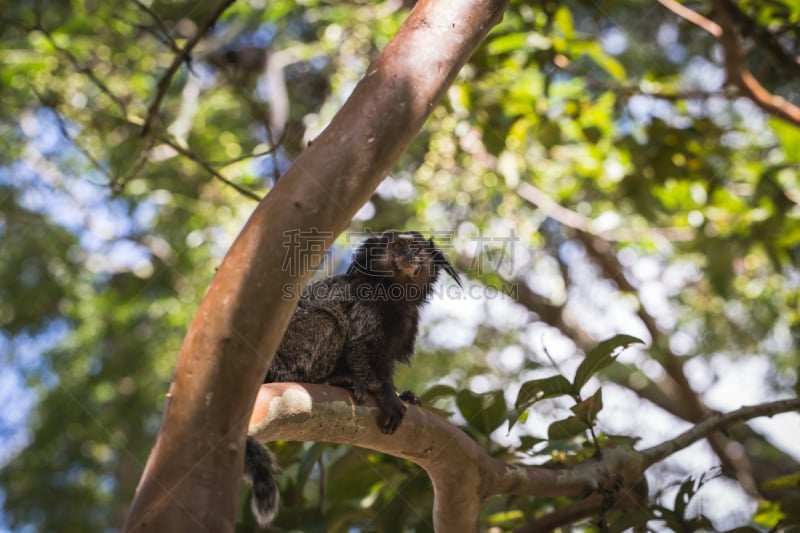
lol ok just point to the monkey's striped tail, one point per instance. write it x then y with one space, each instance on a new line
260 469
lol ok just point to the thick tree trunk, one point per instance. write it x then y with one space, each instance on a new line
191 481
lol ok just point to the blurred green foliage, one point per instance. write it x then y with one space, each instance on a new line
616 111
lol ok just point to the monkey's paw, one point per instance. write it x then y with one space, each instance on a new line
410 398
392 413
359 395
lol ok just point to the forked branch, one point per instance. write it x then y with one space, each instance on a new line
725 30
463 474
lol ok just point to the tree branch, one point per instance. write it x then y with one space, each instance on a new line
692 16
716 422
85 70
180 58
165 37
207 166
462 473
571 219
739 76
576 511
765 39
305 412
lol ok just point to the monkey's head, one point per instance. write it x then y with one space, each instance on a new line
405 258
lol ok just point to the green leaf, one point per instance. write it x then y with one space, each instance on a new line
607 63
484 412
587 410
549 134
769 514
690 487
540 389
563 21
789 481
435 392
307 463
566 428
355 475
600 357
528 442
787 137
684 495
629 520
506 43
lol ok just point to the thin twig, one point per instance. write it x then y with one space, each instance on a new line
739 76
276 173
252 155
85 70
716 422
692 16
183 56
271 150
572 219
765 39
210 169
573 512
64 129
627 91
165 33
119 183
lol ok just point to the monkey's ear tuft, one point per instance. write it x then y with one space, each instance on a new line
441 261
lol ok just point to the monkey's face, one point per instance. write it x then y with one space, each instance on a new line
410 256
406 257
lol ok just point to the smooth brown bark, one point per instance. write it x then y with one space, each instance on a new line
191 481
462 473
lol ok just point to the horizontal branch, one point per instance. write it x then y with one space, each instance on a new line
716 422
579 510
462 473
572 219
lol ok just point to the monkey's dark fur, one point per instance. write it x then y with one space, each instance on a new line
352 330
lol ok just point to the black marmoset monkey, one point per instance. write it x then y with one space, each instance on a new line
352 330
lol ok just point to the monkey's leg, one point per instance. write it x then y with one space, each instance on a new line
392 409
359 392
409 397
347 382
372 372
